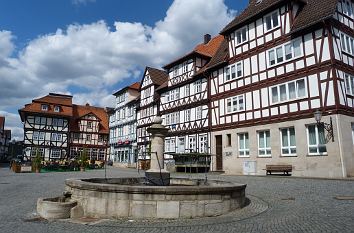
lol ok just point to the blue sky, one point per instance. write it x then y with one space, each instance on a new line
90 48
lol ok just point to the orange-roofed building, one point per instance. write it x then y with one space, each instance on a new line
89 130
51 124
184 100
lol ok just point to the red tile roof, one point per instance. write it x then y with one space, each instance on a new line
52 100
80 111
134 86
157 76
206 50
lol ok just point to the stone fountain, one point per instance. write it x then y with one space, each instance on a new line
154 196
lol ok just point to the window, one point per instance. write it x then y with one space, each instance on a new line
241 36
100 138
347 8
185 67
239 70
288 142
37 120
349 84
347 43
35 150
187 115
60 122
199 111
35 135
55 122
76 136
55 153
228 139
44 107
235 104
56 137
56 109
170 145
272 21
198 86
264 149
167 119
285 52
316 140
177 94
203 144
181 145
88 137
41 136
243 145
191 144
187 91
175 71
228 77
288 91
89 124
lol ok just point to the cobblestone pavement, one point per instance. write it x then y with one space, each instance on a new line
277 204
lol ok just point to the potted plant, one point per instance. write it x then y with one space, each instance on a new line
37 162
83 159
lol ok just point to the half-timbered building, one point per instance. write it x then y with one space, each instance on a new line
281 61
89 131
149 105
184 100
122 124
5 138
46 124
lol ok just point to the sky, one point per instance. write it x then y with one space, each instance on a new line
92 48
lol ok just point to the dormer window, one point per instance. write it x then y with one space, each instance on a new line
44 107
272 21
56 109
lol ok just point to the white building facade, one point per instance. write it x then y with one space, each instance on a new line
281 62
122 124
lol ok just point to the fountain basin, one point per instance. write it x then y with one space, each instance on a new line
131 198
55 208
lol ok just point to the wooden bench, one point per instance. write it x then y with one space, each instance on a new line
279 168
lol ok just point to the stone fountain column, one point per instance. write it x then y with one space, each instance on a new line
157 174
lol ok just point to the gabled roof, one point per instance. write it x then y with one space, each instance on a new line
221 55
135 86
314 11
204 50
52 100
80 111
157 76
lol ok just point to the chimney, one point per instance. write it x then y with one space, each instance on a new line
207 38
87 105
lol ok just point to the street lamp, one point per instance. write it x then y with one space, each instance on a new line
327 127
105 159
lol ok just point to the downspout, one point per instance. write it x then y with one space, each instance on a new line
340 148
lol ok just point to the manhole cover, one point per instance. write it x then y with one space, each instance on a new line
344 198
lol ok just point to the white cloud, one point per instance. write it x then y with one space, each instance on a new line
92 58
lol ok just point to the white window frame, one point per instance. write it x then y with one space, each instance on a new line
199 112
287 84
89 137
283 53
185 67
55 153
198 86
345 4
187 115
267 147
349 84
41 136
272 22
187 90
317 145
245 151
192 145
181 145
56 108
243 40
231 107
44 107
35 135
289 147
203 144
347 43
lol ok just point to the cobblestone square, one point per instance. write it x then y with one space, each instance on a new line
277 204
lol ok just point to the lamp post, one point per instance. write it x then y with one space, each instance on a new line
105 159
327 127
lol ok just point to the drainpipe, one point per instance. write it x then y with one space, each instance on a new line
340 147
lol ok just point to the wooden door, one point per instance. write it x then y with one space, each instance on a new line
218 140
